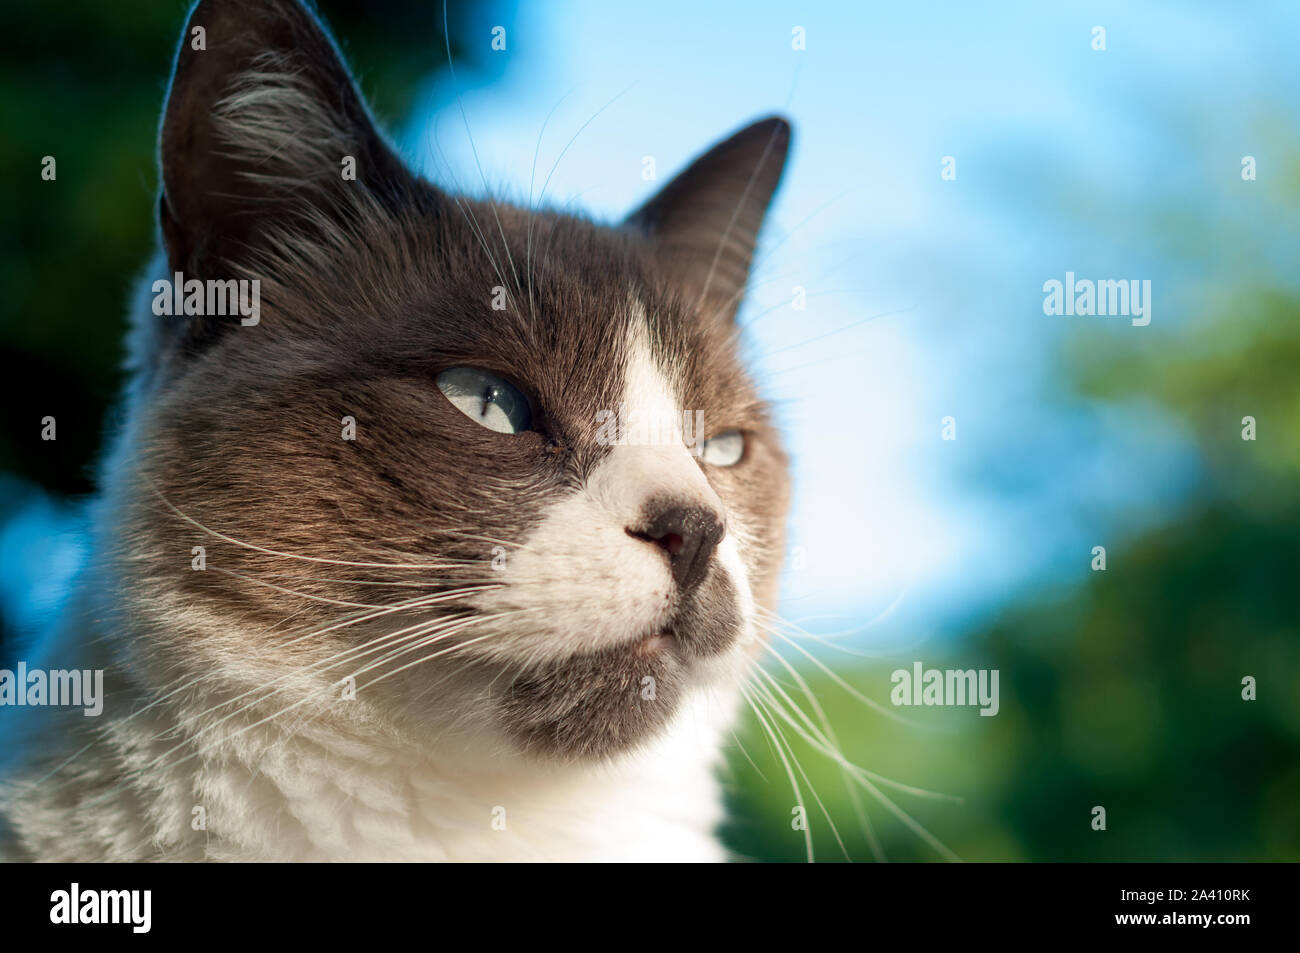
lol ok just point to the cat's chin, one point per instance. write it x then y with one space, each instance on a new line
601 704
595 704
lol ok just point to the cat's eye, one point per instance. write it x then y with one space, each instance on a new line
486 398
724 449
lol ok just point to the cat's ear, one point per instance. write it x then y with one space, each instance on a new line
704 224
263 127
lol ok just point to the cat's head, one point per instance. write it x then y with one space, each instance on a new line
502 468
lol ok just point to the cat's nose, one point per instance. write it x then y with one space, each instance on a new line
688 534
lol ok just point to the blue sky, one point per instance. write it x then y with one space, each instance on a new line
924 295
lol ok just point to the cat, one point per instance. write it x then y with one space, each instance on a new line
371 578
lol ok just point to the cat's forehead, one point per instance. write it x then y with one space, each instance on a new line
578 309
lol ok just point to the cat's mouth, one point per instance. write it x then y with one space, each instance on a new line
595 704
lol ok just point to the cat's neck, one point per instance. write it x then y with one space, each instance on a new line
296 787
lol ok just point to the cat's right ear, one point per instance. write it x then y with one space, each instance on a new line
263 129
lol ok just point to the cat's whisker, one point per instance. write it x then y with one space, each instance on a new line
323 665
752 763
460 103
482 537
866 779
395 644
866 700
532 209
292 592
465 210
474 641
771 705
785 763
562 210
389 583
432 632
472 220
416 642
753 281
840 330
780 305
773 247
273 552
924 834
826 639
407 649
413 643
159 764
541 198
815 737
408 605
864 822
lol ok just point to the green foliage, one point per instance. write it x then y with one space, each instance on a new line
1126 692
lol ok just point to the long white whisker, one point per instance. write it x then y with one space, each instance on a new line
273 552
855 799
770 706
865 779
794 784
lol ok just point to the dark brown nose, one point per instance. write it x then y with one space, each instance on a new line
688 534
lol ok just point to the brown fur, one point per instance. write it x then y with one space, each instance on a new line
369 289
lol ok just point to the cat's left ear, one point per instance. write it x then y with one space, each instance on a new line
704 224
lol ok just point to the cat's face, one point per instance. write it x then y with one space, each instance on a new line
503 469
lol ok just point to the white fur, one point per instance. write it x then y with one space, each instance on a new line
336 793
313 784
596 584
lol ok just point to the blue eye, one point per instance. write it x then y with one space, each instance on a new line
486 398
724 449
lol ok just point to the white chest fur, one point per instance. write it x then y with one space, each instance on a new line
326 795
